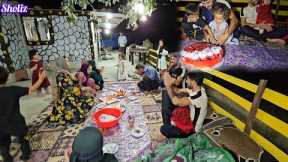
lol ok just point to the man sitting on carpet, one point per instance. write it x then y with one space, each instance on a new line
12 122
191 109
150 80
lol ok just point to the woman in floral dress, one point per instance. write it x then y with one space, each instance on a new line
71 105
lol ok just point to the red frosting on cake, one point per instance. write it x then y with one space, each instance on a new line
209 62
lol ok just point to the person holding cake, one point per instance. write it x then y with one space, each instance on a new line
206 8
219 25
195 27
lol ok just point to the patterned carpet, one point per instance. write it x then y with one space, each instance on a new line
49 142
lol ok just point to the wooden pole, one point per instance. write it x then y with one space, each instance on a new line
255 104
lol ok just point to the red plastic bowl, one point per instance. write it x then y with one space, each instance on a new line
109 111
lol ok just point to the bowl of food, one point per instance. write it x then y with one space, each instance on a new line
107 117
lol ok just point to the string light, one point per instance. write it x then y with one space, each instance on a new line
107 31
143 18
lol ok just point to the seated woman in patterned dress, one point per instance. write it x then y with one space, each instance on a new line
71 105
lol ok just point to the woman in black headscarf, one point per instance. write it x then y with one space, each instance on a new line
88 146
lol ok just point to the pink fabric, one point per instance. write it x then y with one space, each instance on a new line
86 82
81 78
91 83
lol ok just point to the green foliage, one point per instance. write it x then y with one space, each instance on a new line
128 10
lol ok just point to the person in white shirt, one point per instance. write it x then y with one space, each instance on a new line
162 55
122 73
196 100
122 42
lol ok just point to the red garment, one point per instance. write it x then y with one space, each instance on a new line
35 74
285 38
264 15
181 118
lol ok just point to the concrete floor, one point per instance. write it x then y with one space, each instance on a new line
34 104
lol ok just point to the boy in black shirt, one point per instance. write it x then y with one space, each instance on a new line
12 122
195 27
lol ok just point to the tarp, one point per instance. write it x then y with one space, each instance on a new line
195 148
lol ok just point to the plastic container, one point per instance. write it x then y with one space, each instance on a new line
109 111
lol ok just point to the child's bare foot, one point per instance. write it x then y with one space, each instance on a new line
277 41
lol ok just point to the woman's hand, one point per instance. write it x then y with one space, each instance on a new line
67 154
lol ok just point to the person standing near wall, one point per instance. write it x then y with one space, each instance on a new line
122 42
162 56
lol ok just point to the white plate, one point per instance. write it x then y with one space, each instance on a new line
132 98
138 132
111 148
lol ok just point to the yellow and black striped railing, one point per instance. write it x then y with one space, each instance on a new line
151 58
272 124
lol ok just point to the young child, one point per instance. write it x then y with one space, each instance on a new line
256 18
195 26
122 73
249 14
219 26
264 15
162 56
36 64
12 122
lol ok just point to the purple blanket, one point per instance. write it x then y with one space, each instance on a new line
254 59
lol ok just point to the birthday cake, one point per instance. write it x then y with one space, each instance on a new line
202 55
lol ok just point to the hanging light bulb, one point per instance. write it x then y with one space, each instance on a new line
109 16
139 8
143 18
107 31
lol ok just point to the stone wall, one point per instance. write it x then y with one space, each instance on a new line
18 51
2 57
71 40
